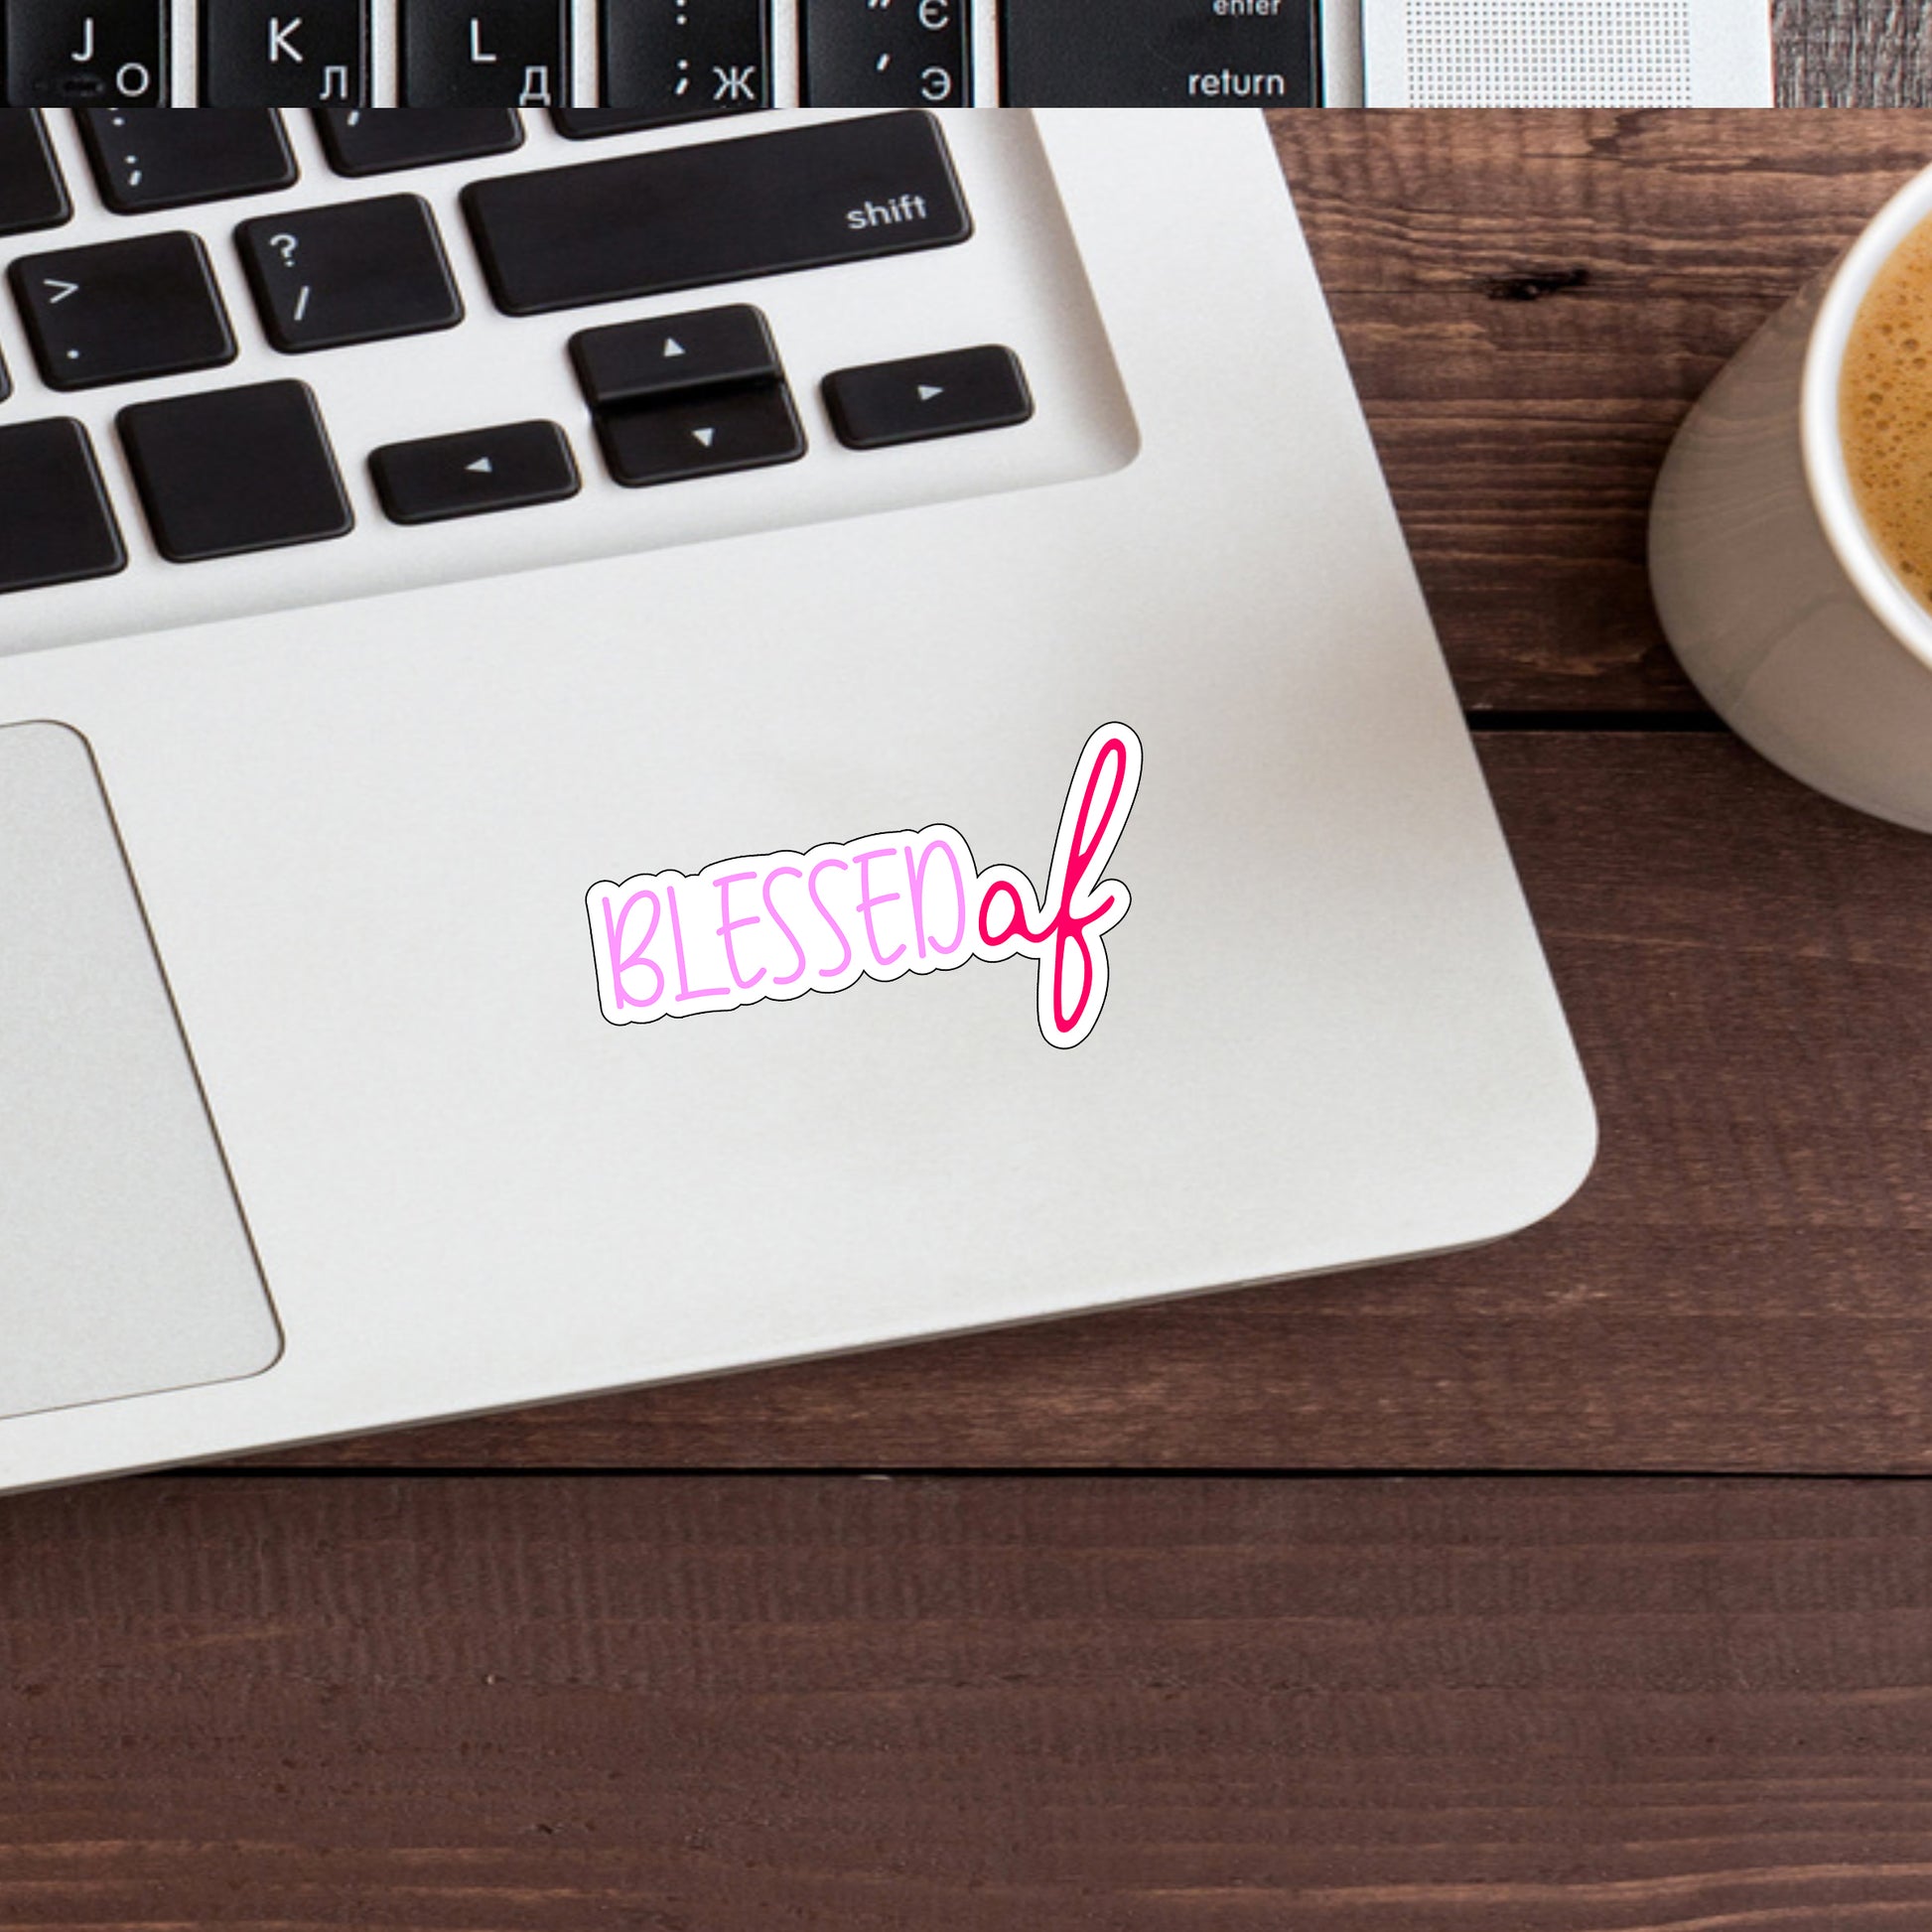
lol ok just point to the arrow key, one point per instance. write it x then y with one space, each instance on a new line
702 436
640 361
954 394
505 469
122 311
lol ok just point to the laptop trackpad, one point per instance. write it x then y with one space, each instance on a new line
124 1265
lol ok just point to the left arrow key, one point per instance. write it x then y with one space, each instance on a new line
512 467
122 312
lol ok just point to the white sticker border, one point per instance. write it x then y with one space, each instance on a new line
993 913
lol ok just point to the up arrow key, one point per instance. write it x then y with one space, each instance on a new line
672 346
482 467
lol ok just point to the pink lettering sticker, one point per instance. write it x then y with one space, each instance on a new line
777 924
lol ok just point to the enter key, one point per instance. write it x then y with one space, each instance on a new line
1162 53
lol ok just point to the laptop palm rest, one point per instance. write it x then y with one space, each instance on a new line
125 1268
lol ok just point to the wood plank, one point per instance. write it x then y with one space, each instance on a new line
1852 52
1530 302
1119 1706
1745 1283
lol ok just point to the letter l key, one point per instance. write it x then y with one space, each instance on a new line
482 52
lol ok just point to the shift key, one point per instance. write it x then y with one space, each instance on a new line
716 212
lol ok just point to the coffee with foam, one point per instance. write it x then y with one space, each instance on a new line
1885 411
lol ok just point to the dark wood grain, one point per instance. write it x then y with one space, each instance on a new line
1530 302
316 1699
1852 52
728 1706
1745 1283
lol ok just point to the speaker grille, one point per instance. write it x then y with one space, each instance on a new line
1548 53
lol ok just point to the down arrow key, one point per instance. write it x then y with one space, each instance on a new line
704 435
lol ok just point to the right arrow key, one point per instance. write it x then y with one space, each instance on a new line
924 397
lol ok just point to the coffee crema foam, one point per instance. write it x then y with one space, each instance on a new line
1885 411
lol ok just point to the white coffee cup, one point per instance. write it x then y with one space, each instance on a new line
1779 605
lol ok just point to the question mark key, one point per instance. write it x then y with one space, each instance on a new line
357 272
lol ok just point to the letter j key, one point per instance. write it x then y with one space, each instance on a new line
86 53
285 53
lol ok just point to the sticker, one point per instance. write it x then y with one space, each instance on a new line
778 925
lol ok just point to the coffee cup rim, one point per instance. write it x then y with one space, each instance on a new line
1827 474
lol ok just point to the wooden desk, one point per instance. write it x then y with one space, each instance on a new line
307 1695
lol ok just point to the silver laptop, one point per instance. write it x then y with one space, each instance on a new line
628 758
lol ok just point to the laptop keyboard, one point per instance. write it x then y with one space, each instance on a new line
257 360
663 60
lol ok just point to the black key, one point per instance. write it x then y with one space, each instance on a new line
924 397
484 469
360 272
32 193
121 311
155 158
1161 53
702 436
55 525
594 123
886 53
486 53
6 383
716 212
640 362
685 60
284 52
83 52
382 140
234 471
